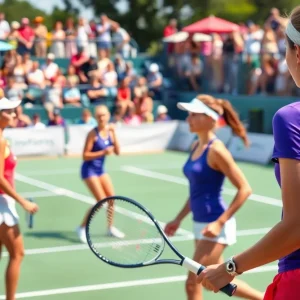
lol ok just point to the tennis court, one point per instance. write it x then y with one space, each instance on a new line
58 267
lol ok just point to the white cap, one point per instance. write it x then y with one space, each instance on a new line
15 25
161 109
154 68
8 104
197 106
51 56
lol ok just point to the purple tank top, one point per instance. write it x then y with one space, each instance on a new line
286 130
205 186
99 145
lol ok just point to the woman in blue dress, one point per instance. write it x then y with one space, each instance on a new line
208 165
100 142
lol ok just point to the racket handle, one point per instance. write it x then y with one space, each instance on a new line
196 268
30 221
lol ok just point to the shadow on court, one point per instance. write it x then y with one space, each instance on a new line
56 235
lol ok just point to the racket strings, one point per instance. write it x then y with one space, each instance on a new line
142 241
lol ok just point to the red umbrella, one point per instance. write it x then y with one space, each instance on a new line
211 24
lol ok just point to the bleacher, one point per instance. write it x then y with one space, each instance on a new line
72 114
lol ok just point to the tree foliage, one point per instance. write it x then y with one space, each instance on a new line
15 10
145 19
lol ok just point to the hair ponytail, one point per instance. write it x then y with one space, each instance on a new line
232 119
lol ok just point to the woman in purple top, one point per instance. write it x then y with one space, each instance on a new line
206 168
100 142
283 240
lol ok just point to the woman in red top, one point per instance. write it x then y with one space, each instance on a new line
124 96
10 235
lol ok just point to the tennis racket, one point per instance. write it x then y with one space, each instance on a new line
29 216
144 240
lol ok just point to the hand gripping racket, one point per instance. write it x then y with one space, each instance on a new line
29 217
136 238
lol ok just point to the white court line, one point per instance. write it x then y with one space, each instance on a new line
83 198
37 194
248 232
76 247
183 181
101 245
123 284
75 170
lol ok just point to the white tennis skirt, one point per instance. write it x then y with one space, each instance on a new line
8 212
226 237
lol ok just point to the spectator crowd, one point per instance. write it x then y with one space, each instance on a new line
92 76
258 51
99 69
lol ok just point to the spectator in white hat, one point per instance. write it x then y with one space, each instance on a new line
155 80
162 114
13 36
4 27
50 68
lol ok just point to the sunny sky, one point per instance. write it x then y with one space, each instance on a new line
48 5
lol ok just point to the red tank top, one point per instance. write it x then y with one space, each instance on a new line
10 163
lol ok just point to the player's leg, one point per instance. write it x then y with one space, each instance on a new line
12 239
97 191
206 253
108 188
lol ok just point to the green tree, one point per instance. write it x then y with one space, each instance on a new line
264 6
15 10
107 6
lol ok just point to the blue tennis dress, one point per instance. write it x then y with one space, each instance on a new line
205 185
95 167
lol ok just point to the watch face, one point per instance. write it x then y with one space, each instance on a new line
230 266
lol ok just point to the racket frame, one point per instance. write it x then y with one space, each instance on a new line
184 261
153 261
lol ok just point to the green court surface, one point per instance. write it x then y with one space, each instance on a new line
58 267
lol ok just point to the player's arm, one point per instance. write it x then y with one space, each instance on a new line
114 138
219 158
284 238
184 211
186 208
87 151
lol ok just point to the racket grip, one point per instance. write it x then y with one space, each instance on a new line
30 221
196 268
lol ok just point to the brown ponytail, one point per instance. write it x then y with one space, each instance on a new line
225 109
232 119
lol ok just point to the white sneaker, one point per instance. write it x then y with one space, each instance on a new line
81 234
114 232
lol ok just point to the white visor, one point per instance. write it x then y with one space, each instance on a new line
9 104
197 106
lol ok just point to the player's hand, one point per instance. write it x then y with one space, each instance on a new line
109 150
214 277
172 227
213 229
30 207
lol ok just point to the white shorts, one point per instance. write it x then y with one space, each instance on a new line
226 237
8 212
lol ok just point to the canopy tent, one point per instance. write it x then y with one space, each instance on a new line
182 36
211 24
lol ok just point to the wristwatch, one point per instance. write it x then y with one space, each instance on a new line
231 267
